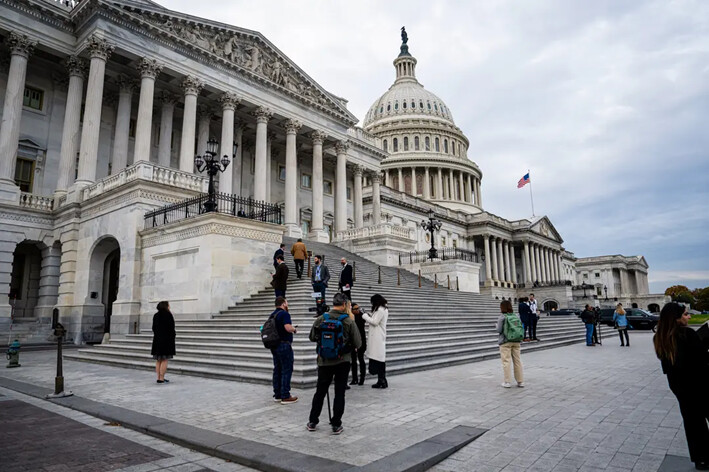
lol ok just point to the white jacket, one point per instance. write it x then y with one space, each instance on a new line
377 338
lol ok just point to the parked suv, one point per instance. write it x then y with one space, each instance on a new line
638 318
564 312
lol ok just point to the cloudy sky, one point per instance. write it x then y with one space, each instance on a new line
606 102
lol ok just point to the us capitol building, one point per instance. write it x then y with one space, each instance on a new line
105 106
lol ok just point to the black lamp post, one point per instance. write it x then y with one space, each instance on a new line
432 225
605 289
212 165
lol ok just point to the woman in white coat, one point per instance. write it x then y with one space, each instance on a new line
376 340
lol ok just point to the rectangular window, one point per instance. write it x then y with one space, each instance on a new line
33 98
349 194
24 171
443 241
305 226
306 181
131 128
585 276
598 275
327 187
455 243
282 173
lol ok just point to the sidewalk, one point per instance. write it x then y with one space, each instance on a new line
584 409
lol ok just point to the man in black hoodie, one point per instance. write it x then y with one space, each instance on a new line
588 316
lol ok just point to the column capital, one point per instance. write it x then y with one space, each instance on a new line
192 85
75 66
126 84
292 126
229 101
342 146
357 170
318 137
262 114
205 112
99 48
21 44
149 68
168 98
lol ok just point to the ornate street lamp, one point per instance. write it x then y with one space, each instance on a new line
432 225
605 289
212 165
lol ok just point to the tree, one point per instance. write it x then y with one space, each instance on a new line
676 290
684 297
702 299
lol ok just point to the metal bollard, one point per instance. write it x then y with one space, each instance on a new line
379 280
398 277
13 354
59 332
457 284
449 282
419 278
435 280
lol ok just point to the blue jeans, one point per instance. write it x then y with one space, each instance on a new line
282 370
589 334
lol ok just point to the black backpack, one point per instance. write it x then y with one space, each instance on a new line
269 333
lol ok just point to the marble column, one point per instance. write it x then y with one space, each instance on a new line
414 189
426 184
99 51
513 263
533 262
262 115
376 199
291 195
228 101
480 195
547 263
270 139
126 86
317 224
70 132
506 251
501 261
402 187
341 186
238 164
21 48
554 267
357 197
469 193
538 263
495 266
461 197
192 87
204 121
439 185
149 70
527 265
167 114
387 178
559 266
488 265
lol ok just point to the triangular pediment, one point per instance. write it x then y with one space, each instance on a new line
542 225
246 52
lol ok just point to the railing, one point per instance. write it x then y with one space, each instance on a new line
226 204
444 254
149 172
380 229
36 202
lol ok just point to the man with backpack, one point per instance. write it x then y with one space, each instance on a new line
336 336
511 333
277 335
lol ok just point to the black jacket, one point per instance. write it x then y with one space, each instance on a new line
163 334
359 321
588 317
279 252
346 276
280 278
525 313
690 372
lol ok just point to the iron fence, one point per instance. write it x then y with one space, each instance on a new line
446 253
226 204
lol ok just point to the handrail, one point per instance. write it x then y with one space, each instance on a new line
446 253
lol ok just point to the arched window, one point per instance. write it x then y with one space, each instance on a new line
429 105
406 143
386 145
453 146
445 146
381 109
395 144
396 105
413 104
404 104
416 143
421 104
388 106
438 145
435 106
428 143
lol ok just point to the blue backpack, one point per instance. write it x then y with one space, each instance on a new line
332 342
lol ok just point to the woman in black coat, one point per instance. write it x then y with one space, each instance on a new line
163 339
359 355
685 361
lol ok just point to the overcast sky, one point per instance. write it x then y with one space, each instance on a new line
605 102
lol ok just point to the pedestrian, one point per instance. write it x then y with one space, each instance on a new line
280 278
279 252
535 316
283 354
510 331
358 357
164 334
346 279
320 277
376 342
336 363
525 316
620 321
597 326
299 252
588 316
685 361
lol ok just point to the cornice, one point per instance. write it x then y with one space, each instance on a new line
46 12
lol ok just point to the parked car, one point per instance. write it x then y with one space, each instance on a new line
638 318
564 312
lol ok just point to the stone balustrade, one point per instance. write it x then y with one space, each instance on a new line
36 202
149 172
381 229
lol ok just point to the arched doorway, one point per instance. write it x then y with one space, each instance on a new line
24 280
653 308
550 305
104 274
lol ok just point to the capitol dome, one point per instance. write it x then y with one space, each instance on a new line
427 151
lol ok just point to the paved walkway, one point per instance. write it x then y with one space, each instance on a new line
584 409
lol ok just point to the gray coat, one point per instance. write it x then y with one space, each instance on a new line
324 274
499 327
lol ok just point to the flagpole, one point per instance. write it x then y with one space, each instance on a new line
530 192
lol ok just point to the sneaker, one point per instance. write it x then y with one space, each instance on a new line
289 400
506 384
520 384
311 426
276 399
337 429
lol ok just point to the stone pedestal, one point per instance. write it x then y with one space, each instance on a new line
381 244
319 236
464 276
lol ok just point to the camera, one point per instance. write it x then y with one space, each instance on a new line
320 307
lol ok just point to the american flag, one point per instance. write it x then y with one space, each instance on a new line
523 181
